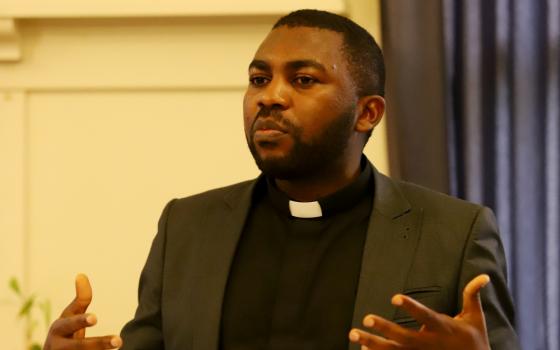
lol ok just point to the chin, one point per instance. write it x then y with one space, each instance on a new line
283 168
279 170
287 163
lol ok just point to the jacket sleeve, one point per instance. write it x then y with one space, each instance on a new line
144 331
484 253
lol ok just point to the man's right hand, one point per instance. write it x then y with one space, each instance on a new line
68 332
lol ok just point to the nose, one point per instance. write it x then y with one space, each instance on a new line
274 95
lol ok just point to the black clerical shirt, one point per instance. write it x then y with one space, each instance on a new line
293 281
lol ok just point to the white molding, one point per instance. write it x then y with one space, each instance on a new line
10 40
161 8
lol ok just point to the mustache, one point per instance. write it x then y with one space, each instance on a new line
266 111
271 118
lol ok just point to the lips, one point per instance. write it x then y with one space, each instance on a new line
267 124
267 130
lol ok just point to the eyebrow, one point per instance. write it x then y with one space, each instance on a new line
259 64
295 65
292 65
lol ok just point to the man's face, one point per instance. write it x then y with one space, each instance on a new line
299 107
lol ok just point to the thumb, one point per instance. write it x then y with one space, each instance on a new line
82 300
83 297
83 294
471 296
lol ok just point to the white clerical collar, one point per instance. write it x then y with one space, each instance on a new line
305 210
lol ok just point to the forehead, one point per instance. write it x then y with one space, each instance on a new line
302 43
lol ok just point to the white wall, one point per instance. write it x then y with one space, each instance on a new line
111 110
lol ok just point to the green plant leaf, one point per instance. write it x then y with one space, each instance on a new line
35 346
14 286
45 307
26 307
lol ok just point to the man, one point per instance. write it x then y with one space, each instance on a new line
297 258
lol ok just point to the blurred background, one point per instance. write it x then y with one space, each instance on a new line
109 109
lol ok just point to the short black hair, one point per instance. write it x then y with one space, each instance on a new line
363 55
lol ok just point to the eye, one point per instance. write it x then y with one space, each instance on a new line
258 80
305 81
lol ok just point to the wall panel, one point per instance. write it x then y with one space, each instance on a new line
103 165
134 53
13 229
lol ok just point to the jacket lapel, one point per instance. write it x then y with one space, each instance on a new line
392 237
221 234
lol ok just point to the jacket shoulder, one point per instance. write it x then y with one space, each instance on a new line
436 204
213 197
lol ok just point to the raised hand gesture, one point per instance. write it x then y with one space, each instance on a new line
466 331
69 330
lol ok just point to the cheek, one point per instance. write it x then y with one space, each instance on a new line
248 112
321 114
317 114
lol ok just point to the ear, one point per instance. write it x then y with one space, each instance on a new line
371 109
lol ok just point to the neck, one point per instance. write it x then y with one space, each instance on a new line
320 184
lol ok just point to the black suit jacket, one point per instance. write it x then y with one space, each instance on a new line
419 242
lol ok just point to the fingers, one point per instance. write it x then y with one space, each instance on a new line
372 341
62 335
471 295
391 330
424 315
83 297
67 326
93 343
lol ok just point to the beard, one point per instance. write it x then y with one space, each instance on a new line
306 158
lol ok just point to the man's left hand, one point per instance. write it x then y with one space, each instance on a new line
467 330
